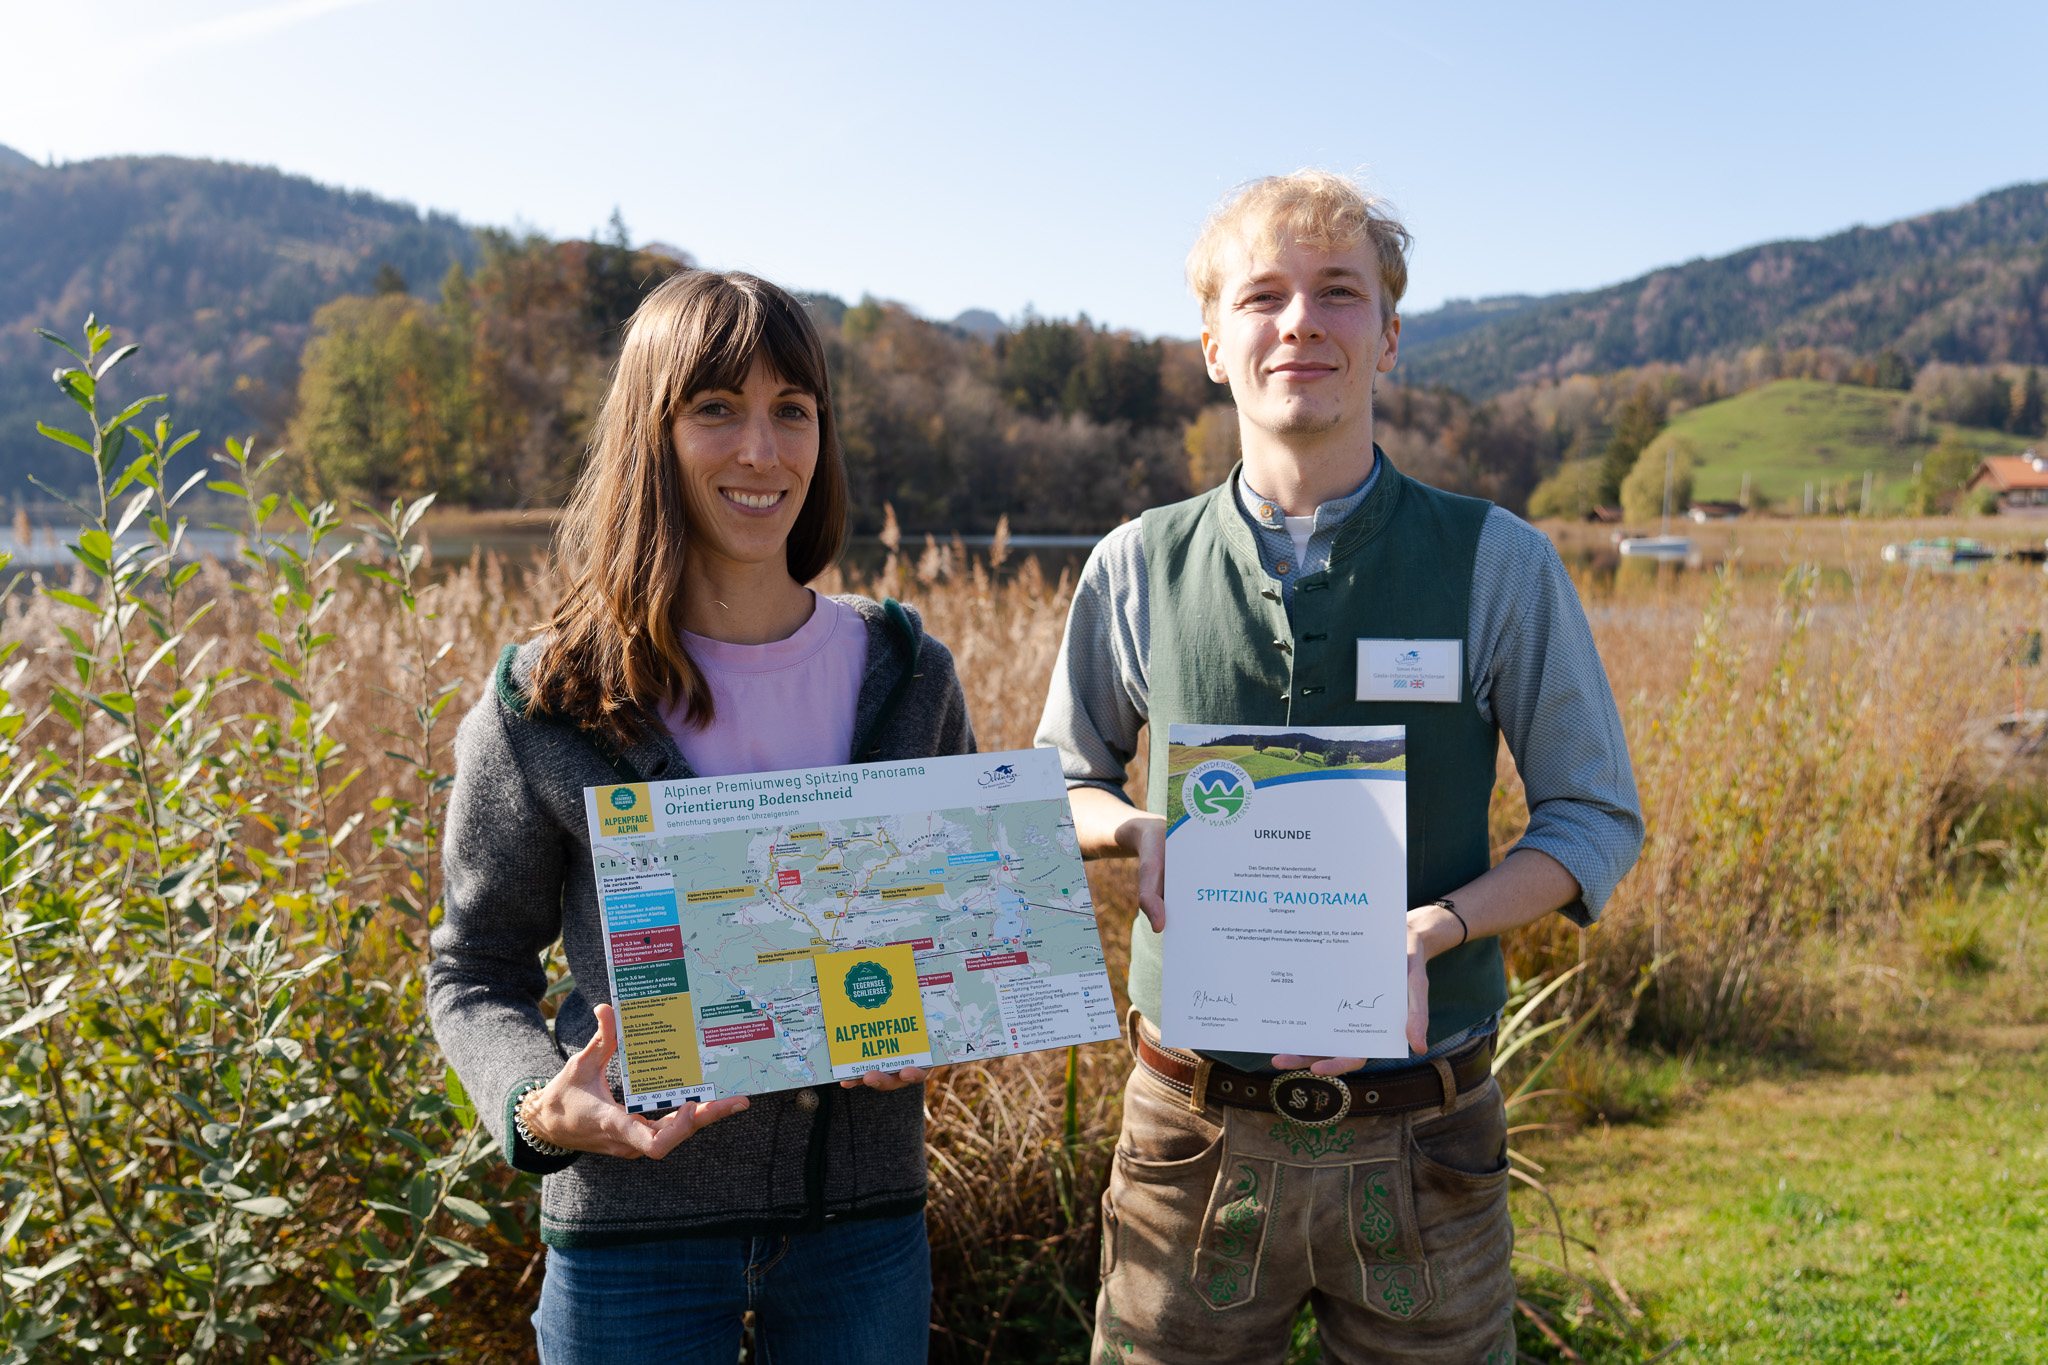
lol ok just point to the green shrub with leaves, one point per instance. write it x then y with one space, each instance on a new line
223 1132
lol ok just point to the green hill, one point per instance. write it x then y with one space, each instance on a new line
1798 430
1963 285
215 268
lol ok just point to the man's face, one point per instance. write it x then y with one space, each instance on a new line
1297 336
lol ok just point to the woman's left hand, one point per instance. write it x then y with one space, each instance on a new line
891 1080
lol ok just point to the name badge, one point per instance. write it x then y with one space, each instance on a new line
1411 670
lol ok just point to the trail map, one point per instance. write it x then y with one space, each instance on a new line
779 930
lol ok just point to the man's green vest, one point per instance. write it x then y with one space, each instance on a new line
1223 652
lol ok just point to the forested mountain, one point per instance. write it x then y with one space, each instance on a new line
216 269
1967 285
1430 330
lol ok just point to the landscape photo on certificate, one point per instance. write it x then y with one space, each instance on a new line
1264 753
1286 889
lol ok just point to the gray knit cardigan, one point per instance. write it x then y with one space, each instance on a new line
518 877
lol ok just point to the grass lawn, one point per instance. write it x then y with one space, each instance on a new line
1899 1214
1795 430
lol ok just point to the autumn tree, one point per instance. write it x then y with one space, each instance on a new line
1213 446
1938 485
2026 404
1570 493
486 398
379 400
1635 426
1891 371
615 279
1036 360
1670 457
1053 367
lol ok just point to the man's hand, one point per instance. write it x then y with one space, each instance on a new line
1418 1006
576 1109
1109 828
890 1080
1418 1003
1147 836
1432 930
1320 1066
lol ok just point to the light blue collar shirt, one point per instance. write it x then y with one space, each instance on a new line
1277 551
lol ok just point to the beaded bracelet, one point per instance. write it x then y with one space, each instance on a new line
526 1135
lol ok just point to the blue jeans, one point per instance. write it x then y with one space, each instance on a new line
855 1294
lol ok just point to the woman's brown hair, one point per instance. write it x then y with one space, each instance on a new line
615 651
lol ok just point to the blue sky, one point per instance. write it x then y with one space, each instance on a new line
1062 156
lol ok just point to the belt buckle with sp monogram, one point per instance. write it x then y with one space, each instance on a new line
1310 1100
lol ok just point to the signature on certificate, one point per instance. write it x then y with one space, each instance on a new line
1361 1004
1204 998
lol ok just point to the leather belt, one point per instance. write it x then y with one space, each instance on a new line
1311 1100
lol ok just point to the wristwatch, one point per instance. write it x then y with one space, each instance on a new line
526 1135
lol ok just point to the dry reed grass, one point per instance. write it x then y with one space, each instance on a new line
1803 749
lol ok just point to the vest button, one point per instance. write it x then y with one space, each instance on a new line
1281 567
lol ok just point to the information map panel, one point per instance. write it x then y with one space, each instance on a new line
778 930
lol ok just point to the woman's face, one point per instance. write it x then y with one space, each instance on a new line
747 456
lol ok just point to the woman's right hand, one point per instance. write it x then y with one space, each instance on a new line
576 1109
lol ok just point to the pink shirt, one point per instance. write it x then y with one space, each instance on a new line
788 704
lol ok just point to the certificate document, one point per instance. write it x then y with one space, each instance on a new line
776 930
1287 890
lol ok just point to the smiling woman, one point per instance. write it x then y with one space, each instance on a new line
687 645
719 428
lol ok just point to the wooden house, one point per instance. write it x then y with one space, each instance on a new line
2021 482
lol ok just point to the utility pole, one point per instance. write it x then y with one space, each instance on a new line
1670 454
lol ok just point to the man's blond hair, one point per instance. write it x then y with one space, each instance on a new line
1316 209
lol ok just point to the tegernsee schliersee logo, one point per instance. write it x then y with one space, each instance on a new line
1216 792
868 985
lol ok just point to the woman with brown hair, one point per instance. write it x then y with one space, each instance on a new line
688 646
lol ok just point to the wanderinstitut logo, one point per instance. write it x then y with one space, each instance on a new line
1217 792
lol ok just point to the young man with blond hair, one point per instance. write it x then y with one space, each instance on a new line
1244 606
